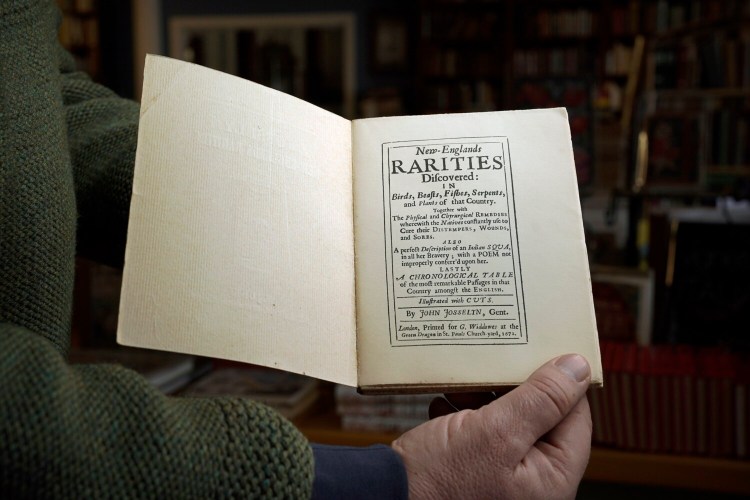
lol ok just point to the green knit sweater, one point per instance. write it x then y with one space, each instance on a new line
66 156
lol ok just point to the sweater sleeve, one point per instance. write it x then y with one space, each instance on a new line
102 133
101 431
373 472
95 431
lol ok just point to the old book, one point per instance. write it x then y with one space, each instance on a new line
415 253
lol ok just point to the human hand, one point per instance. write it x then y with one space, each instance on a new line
534 442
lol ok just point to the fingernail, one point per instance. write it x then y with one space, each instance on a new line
574 365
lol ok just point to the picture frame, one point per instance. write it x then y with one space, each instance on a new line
624 303
673 162
288 35
389 43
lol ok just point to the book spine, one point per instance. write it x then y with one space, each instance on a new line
376 423
391 410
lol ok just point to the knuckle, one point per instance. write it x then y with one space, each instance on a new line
552 394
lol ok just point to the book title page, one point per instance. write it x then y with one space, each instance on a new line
470 255
452 253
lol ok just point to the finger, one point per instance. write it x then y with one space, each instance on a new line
470 400
440 407
569 443
503 391
535 407
575 429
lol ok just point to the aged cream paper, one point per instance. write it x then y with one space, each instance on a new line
240 237
470 254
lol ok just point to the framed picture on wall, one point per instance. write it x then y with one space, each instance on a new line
310 56
674 151
623 302
389 44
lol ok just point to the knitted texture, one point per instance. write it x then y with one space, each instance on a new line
37 204
95 431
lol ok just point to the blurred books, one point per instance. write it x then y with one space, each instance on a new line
673 399
391 413
168 372
288 393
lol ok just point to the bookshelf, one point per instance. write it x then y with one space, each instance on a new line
461 56
478 55
79 34
599 59
308 56
697 75
482 55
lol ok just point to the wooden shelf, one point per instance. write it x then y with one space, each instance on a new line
699 28
672 471
702 93
606 465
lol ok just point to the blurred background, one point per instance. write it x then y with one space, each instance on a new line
658 94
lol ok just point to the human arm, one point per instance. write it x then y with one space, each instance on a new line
91 431
101 130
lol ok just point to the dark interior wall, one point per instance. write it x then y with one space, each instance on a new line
364 11
116 45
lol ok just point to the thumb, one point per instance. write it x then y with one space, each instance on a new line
535 407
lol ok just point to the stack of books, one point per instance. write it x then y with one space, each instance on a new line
167 372
287 393
390 413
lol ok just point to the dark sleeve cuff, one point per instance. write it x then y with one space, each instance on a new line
351 472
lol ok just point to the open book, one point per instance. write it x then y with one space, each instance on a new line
414 253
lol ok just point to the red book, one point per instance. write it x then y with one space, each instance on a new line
717 371
742 408
629 401
666 370
643 404
616 397
683 401
603 399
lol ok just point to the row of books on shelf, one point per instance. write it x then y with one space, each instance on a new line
391 413
461 96
456 63
553 62
288 393
711 61
673 399
625 19
617 60
78 6
729 137
79 32
191 376
469 26
670 15
572 23
691 137
664 15
167 372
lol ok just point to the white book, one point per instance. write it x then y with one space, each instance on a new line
414 253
